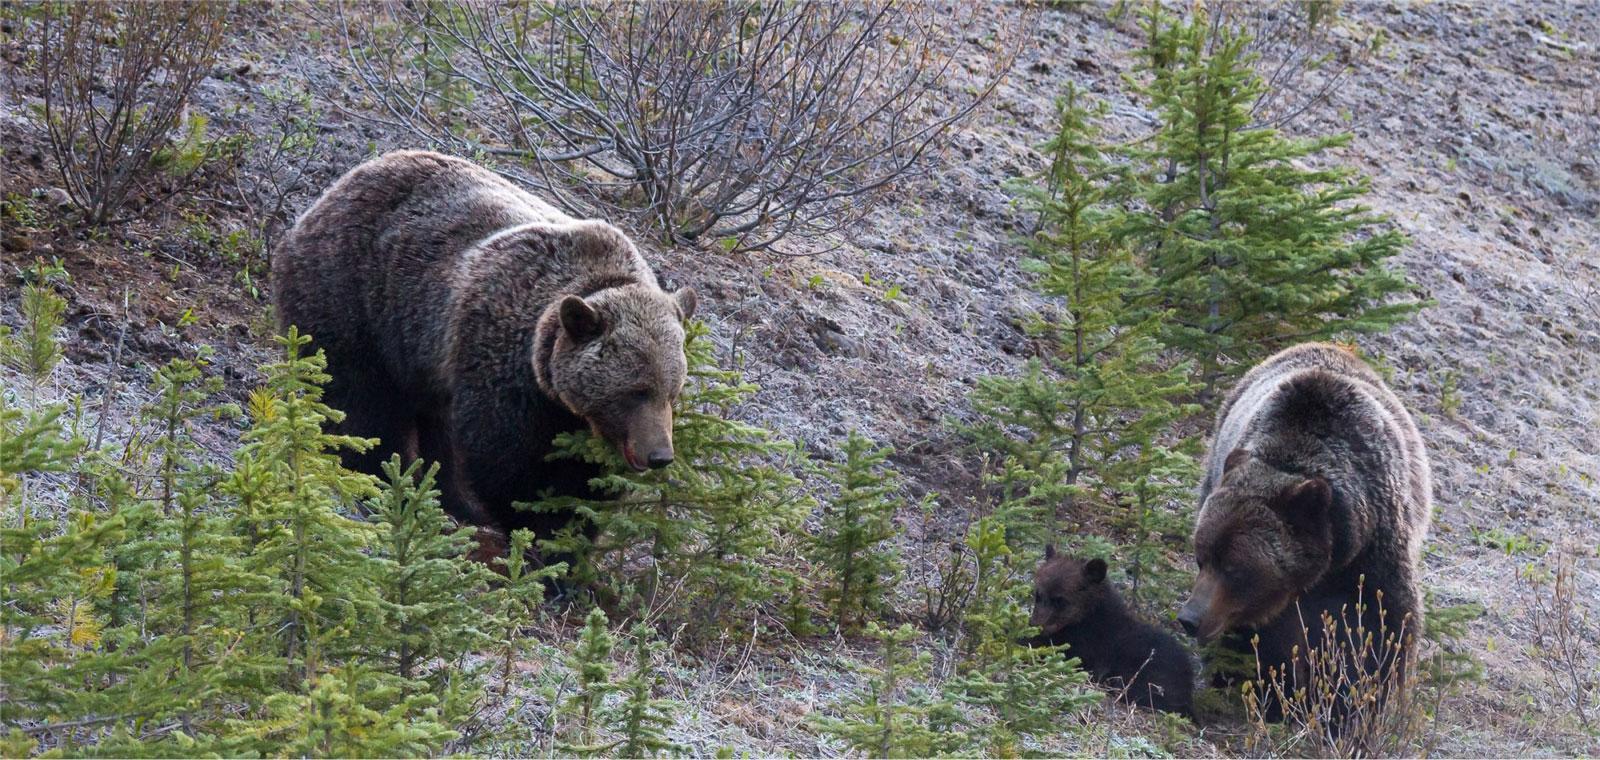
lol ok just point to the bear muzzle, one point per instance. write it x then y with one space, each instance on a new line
1189 617
659 458
656 459
635 462
648 443
1208 610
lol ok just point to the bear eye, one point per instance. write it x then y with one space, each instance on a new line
1236 569
640 396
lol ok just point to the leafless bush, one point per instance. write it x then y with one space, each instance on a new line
1352 693
279 161
117 79
1564 640
945 600
726 120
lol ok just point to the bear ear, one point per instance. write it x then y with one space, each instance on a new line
579 319
686 301
1095 570
1235 458
1049 551
1304 505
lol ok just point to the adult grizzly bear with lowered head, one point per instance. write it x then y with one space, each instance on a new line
467 322
1316 497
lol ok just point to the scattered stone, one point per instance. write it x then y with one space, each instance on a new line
54 196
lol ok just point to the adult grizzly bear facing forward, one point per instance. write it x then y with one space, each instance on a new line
467 322
1316 488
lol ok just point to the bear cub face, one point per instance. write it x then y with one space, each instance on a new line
619 365
1263 536
1065 590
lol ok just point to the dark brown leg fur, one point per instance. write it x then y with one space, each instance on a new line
373 408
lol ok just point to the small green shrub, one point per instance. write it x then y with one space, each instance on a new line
707 526
855 525
894 717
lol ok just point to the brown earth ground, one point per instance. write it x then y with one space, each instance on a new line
1478 123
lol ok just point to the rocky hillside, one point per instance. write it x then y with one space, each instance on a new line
1478 124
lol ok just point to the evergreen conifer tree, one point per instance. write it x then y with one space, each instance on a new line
590 661
642 719
325 602
431 596
855 524
56 572
894 718
704 524
516 601
323 579
346 711
1250 249
34 350
1094 410
55 575
184 584
186 610
427 588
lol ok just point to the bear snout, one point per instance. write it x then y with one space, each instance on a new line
648 443
1204 615
1189 618
659 458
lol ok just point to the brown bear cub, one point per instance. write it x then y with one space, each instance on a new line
1074 604
467 322
1316 497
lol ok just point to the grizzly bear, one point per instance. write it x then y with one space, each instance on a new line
467 322
1074 604
1315 500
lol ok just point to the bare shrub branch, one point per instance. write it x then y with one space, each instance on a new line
117 79
1564 639
1300 60
739 122
1352 693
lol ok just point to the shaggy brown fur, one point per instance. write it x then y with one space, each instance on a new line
1316 477
468 322
1073 604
